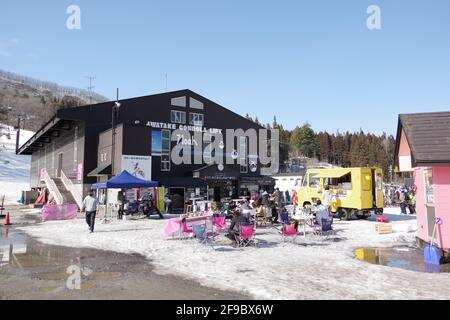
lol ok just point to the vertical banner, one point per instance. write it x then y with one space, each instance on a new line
161 198
138 166
42 175
80 172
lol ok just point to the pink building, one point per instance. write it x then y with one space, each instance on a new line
423 148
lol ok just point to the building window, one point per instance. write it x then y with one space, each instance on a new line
178 117
156 143
195 104
243 154
179 102
429 187
196 119
165 150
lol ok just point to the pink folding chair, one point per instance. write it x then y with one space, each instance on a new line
219 223
186 230
289 231
246 236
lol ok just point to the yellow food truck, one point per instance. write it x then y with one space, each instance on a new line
357 191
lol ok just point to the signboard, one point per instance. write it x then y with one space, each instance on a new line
80 172
138 166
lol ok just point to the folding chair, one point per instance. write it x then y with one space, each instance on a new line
289 231
186 230
325 228
202 235
219 224
246 236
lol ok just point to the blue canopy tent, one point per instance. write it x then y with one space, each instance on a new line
125 181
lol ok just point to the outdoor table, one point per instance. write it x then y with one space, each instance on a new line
175 224
304 219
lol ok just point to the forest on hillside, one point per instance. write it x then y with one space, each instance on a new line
347 149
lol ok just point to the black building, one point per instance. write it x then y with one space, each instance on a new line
74 149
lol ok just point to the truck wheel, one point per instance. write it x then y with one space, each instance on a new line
345 214
363 214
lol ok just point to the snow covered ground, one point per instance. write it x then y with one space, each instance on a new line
311 269
14 169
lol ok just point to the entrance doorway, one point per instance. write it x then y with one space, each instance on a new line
217 194
178 202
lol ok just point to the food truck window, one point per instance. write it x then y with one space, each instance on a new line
314 181
429 187
344 182
379 181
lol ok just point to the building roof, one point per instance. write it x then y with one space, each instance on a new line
428 136
100 115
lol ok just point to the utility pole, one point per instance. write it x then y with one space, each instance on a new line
166 83
115 108
91 87
18 134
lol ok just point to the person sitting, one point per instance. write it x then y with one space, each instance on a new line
284 215
247 211
236 220
322 213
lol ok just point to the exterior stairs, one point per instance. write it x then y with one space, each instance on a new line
66 194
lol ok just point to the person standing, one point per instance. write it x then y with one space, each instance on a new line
327 198
121 199
294 198
167 203
287 197
412 202
403 201
90 204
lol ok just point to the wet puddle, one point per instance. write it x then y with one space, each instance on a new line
48 263
30 269
404 257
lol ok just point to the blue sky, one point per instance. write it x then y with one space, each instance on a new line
312 61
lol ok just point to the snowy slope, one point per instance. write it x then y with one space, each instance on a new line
14 169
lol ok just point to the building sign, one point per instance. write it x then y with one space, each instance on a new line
138 166
182 127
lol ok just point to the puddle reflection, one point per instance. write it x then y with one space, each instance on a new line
408 258
44 262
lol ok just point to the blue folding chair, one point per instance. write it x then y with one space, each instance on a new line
202 235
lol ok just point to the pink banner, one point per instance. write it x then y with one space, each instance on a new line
80 172
42 175
62 212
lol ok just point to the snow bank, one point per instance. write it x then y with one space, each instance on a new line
310 269
14 169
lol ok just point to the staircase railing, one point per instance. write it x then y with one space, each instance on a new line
71 187
53 189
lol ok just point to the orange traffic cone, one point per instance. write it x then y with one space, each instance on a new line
7 221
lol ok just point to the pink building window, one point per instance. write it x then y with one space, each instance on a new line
429 187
